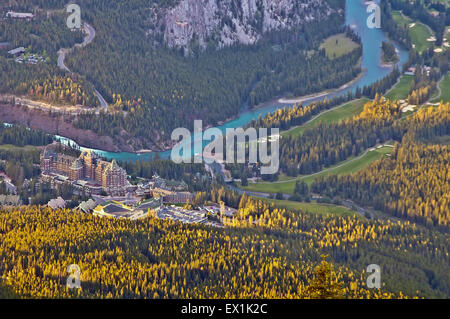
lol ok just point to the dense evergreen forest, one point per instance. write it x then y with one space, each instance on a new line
44 82
273 258
144 82
413 182
213 85
388 51
21 136
288 117
17 162
43 36
19 165
326 145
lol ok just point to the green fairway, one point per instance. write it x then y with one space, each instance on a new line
312 207
338 45
335 115
419 33
401 20
344 168
401 90
445 89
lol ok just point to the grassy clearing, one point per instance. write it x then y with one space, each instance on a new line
401 90
345 168
344 112
445 88
401 20
312 207
338 45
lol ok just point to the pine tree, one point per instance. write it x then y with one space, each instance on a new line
325 284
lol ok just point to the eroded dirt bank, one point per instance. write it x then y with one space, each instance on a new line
61 125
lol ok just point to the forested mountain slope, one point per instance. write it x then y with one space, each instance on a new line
213 85
412 183
162 259
153 86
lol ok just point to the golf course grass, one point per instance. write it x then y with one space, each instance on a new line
344 168
401 90
419 33
335 115
312 207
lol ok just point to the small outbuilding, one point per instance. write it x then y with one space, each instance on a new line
58 203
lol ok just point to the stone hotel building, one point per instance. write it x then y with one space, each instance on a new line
88 167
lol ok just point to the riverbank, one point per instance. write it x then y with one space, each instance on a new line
44 106
387 64
301 99
55 124
47 122
371 41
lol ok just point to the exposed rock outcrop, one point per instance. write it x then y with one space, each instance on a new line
226 22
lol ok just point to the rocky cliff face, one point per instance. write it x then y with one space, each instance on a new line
230 21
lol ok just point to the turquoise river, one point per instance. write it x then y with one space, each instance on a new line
356 18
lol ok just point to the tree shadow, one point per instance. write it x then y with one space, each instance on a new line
7 292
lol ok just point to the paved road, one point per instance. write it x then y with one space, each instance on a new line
90 35
103 103
64 51
61 57
438 86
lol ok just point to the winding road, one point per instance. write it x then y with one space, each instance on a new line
90 35
438 87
